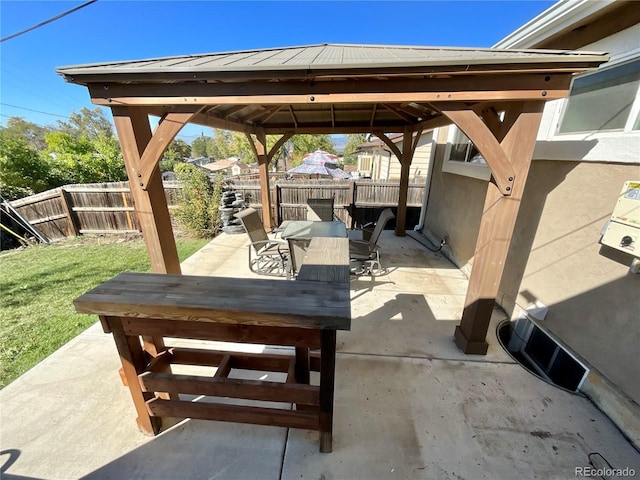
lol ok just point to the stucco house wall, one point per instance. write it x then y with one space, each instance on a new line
555 256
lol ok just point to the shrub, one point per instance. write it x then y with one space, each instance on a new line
23 171
199 205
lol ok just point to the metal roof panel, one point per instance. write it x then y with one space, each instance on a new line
331 56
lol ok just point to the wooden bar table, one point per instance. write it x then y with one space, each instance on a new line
302 314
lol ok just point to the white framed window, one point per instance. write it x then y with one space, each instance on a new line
462 157
598 122
604 101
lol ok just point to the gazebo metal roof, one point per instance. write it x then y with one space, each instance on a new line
312 58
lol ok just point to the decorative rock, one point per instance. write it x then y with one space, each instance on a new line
232 202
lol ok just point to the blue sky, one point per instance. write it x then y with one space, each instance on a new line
111 30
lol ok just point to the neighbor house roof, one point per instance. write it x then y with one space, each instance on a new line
221 165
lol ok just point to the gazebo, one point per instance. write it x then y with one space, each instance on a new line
495 97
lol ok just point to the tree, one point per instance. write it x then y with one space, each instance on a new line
84 161
87 123
22 171
32 133
303 144
176 152
220 147
199 146
350 149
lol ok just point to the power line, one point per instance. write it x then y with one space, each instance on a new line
179 135
53 97
35 111
52 19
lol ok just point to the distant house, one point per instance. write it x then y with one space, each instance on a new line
230 166
169 176
200 161
377 162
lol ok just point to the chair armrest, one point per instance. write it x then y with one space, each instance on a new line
359 244
267 243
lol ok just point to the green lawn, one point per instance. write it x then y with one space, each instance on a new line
39 284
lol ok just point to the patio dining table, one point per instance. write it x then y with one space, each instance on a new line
311 229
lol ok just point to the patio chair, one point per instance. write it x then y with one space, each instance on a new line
297 249
266 256
320 209
364 254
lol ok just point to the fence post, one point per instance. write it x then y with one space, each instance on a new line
72 227
126 205
278 199
352 204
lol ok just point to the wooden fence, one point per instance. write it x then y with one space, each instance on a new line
359 198
108 208
85 208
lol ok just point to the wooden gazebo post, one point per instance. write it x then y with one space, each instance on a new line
405 157
507 148
264 157
142 151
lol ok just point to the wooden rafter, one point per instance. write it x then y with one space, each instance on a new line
271 112
262 113
233 110
293 117
413 111
399 113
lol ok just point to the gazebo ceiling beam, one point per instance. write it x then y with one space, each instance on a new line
470 88
346 98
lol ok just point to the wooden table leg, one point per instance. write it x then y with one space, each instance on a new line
134 363
302 375
327 381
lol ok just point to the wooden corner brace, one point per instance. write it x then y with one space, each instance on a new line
169 126
481 135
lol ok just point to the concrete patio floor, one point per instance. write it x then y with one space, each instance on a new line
408 403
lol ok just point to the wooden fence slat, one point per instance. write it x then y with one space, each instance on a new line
51 218
103 209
